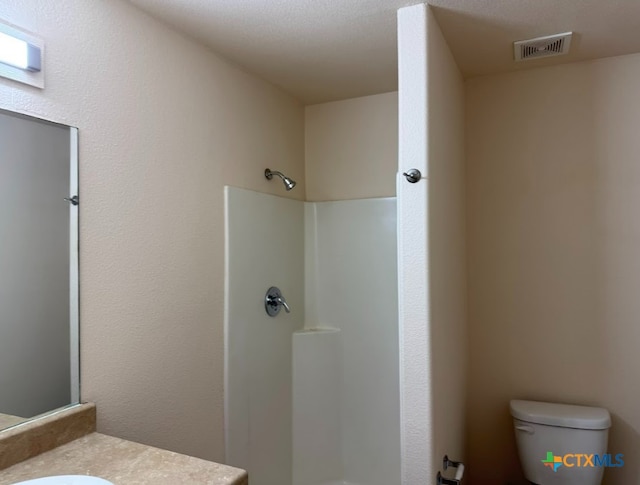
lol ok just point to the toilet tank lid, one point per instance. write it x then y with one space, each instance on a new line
561 415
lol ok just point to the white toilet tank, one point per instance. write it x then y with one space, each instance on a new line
553 440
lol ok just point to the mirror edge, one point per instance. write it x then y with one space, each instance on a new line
74 268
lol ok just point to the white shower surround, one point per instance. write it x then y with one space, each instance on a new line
264 248
351 285
344 391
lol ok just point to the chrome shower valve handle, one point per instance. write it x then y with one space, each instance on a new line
274 301
283 302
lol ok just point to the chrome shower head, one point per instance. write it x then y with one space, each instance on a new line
288 183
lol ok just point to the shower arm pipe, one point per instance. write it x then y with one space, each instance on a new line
268 173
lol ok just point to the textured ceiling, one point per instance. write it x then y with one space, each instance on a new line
322 50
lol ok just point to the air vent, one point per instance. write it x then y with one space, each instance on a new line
549 46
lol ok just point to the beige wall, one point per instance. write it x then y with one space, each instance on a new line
164 124
351 148
446 248
554 253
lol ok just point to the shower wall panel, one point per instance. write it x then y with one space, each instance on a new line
317 400
264 248
351 281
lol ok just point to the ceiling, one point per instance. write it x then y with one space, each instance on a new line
324 50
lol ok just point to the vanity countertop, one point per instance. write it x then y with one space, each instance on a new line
7 420
123 463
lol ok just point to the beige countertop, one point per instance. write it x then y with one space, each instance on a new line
123 463
7 420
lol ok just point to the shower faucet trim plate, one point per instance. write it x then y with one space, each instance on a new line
274 301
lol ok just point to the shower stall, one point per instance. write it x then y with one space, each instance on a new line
363 382
312 395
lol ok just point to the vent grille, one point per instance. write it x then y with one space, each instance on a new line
549 46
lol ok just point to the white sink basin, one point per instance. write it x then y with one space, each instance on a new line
66 480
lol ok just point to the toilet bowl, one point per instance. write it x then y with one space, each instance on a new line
558 443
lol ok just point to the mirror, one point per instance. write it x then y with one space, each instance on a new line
39 355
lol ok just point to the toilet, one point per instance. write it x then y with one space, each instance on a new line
552 439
